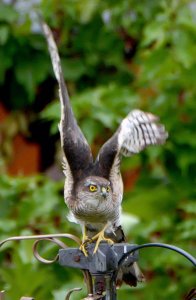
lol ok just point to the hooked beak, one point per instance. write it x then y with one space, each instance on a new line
103 192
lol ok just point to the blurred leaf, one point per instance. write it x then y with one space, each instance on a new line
7 13
184 48
4 33
5 64
73 69
28 76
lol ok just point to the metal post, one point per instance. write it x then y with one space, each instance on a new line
103 266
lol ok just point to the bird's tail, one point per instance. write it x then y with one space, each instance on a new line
129 272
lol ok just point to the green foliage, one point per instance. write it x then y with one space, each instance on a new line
116 56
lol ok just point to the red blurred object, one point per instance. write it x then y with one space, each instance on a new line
26 155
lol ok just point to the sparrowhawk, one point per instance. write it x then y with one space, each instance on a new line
93 189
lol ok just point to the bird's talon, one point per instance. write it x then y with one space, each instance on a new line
109 241
99 240
83 249
88 240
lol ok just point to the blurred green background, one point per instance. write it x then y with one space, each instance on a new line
116 56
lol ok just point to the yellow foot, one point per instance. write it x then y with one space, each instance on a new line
99 237
85 241
83 248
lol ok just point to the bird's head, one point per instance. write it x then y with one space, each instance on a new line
94 188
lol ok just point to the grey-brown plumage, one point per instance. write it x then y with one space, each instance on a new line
94 188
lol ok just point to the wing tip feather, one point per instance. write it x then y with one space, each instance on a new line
140 130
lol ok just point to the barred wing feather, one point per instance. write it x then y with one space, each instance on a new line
139 130
136 132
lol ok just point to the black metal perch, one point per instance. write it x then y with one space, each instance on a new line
104 264
99 269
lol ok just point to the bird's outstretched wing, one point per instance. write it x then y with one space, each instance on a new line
77 151
137 131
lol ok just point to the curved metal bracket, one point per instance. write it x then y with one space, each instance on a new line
160 245
54 238
67 297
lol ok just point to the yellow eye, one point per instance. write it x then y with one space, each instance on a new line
93 188
108 188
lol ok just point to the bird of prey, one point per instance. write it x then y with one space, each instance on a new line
93 189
